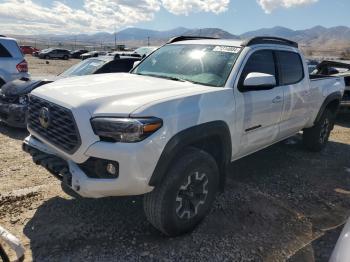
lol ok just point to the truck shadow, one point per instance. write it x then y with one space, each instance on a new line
14 133
343 120
276 202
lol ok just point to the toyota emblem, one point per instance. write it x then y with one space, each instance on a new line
44 117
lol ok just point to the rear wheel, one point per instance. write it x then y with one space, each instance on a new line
65 57
185 195
316 138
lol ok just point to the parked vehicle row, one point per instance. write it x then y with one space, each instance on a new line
28 50
14 95
78 53
169 130
54 53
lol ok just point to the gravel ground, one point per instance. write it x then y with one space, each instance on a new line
282 203
41 67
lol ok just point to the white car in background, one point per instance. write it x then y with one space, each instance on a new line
12 63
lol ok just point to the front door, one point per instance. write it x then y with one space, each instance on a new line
260 109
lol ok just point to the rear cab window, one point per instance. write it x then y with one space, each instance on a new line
290 67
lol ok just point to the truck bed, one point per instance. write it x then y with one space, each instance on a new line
319 77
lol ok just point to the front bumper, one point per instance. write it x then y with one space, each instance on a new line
14 115
70 173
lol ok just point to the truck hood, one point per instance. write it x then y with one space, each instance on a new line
114 94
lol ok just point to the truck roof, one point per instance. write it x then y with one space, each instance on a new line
233 42
229 42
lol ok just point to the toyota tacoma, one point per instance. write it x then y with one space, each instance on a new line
170 128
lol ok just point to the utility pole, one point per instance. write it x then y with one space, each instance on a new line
115 37
148 41
75 42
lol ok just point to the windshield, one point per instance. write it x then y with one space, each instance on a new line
202 64
85 67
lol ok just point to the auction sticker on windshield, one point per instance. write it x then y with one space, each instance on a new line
227 49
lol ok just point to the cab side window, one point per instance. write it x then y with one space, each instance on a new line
262 61
290 65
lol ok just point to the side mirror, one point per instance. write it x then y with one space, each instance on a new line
258 81
136 63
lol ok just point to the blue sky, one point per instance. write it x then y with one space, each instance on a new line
235 16
246 15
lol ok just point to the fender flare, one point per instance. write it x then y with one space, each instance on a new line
189 137
336 96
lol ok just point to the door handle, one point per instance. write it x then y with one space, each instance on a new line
277 99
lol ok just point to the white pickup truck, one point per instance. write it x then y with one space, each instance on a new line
170 128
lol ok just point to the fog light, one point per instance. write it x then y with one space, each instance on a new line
111 169
100 168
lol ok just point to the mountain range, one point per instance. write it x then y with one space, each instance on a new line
318 38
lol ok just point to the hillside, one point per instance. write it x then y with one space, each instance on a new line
332 41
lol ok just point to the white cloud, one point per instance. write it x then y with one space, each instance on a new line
28 17
270 5
95 15
184 7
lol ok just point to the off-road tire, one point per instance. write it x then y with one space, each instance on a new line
316 138
164 206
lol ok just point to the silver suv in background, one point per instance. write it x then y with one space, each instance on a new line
12 63
54 53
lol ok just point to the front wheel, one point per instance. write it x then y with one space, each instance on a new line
186 194
316 138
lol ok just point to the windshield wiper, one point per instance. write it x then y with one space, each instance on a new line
166 77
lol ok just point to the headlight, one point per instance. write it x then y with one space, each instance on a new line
23 100
127 130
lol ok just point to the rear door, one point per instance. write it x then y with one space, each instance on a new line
296 92
259 110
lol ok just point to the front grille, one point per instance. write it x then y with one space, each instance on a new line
61 131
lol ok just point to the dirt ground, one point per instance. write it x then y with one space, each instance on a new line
282 203
42 67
